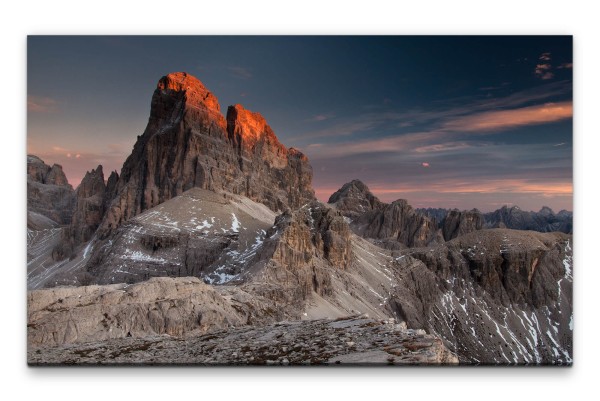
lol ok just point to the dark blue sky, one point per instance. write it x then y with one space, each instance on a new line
441 121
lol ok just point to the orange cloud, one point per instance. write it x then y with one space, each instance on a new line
484 186
502 119
540 68
500 186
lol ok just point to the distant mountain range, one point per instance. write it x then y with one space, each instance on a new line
546 220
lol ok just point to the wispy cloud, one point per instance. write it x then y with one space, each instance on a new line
41 104
442 137
443 147
565 65
493 88
369 122
543 70
503 119
240 72
321 117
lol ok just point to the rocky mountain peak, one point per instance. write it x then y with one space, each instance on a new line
394 225
178 97
92 183
90 203
56 176
40 172
196 94
246 127
354 198
354 188
546 211
188 144
48 192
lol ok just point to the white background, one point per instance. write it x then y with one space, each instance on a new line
312 17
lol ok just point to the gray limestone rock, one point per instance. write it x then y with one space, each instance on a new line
48 192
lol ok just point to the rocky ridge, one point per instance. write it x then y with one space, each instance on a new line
345 341
49 195
457 223
394 225
91 198
173 306
543 221
515 218
494 296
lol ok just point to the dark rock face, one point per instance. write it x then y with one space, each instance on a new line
457 223
398 221
90 205
314 226
91 199
188 143
302 247
275 176
111 189
497 296
437 214
543 221
48 192
354 198
394 225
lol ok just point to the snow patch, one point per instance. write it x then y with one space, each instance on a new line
235 223
205 224
138 256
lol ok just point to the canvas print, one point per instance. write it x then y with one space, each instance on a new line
299 200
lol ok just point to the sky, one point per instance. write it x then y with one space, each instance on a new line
448 121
